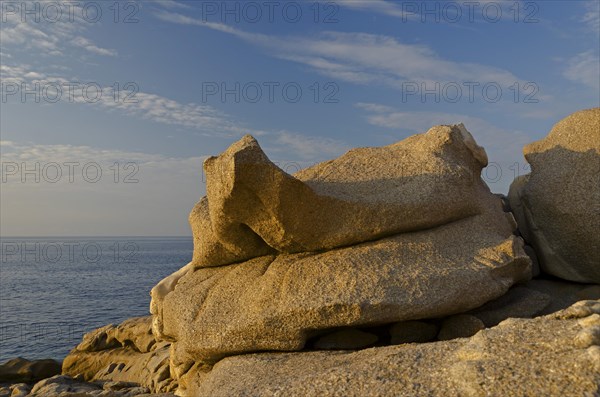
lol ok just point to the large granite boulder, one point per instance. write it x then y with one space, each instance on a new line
555 355
254 208
557 206
414 227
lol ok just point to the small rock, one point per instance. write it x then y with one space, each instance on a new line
345 339
593 353
59 384
587 337
22 370
460 326
580 309
20 390
589 321
518 302
118 385
412 332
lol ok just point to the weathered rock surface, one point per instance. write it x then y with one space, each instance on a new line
134 332
395 245
557 205
22 370
273 302
253 208
446 234
125 353
533 298
66 386
547 356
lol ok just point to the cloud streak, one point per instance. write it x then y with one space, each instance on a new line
361 58
46 36
584 68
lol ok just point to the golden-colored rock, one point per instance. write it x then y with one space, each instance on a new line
417 228
524 357
557 206
254 208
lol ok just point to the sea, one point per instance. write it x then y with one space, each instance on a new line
54 290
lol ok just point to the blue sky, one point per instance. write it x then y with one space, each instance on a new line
313 79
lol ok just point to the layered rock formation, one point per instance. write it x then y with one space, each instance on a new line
332 281
124 353
518 348
380 228
557 205
555 355
253 208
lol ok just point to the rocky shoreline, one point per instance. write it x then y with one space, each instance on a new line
387 271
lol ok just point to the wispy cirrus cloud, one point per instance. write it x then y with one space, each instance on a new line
592 15
584 68
46 35
128 100
450 12
361 58
173 4
91 47
305 147
203 119
393 9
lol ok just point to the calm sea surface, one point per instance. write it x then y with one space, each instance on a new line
53 290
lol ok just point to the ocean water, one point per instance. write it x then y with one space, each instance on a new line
53 290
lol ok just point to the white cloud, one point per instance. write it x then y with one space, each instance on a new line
305 147
592 15
147 106
172 4
205 119
450 12
381 7
584 68
362 58
88 45
47 36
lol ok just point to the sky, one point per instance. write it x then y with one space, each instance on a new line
108 109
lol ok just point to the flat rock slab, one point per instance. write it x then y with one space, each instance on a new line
276 302
524 357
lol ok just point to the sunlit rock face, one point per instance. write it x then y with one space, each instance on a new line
557 206
380 235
